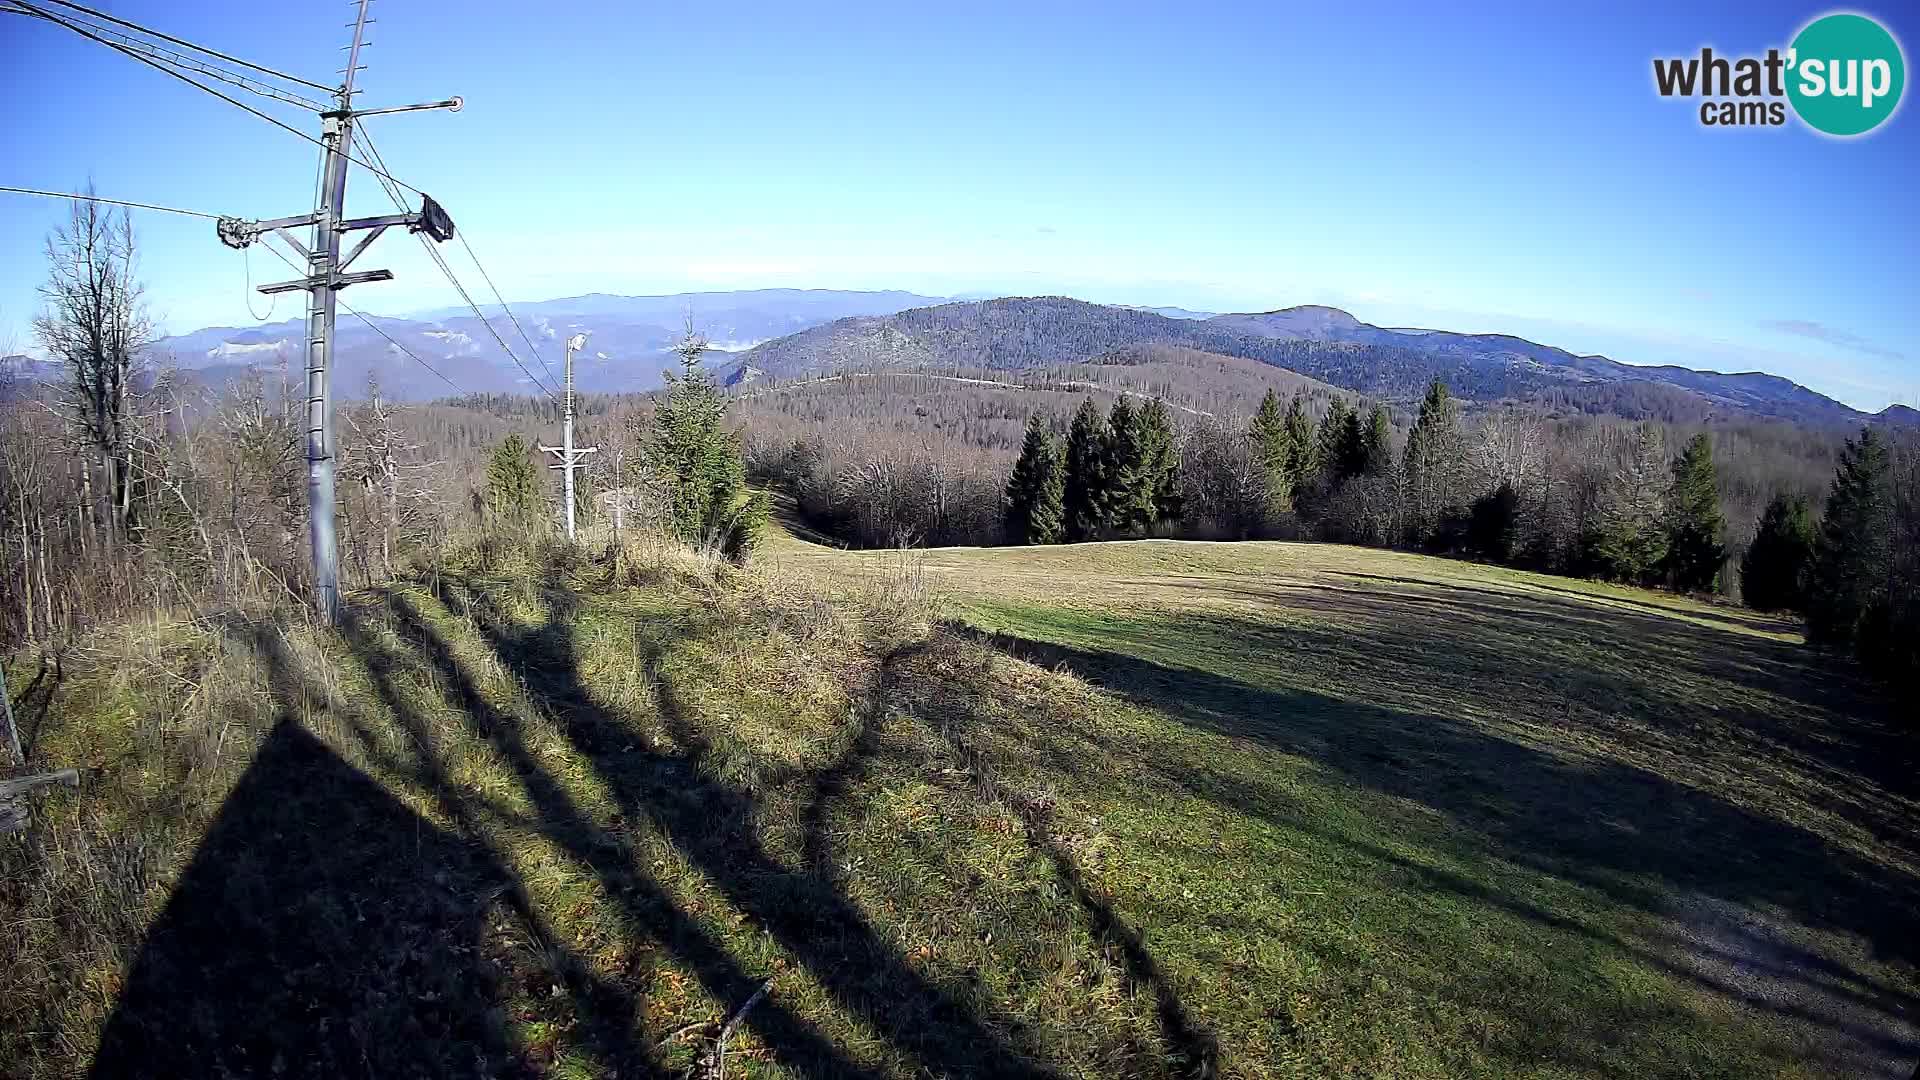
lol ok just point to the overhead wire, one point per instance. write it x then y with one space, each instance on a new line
495 289
273 299
169 62
26 7
371 325
115 202
400 203
197 65
188 44
440 260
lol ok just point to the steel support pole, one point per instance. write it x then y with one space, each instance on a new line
336 129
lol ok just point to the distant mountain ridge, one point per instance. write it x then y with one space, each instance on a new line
784 333
628 340
1320 342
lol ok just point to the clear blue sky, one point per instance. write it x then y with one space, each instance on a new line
1511 169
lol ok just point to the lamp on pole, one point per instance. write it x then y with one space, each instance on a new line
569 457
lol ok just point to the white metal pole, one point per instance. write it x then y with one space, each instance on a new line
566 443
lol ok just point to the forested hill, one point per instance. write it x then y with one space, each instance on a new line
1018 333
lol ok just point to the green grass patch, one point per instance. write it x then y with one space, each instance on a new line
1156 809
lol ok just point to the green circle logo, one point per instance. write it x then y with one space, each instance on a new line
1845 74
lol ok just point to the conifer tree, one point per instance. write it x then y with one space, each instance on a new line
1353 445
1083 492
512 492
1696 529
698 461
1299 443
1433 464
1852 553
1773 574
1330 443
1376 443
1493 523
586 495
1128 501
1163 462
1035 490
1273 453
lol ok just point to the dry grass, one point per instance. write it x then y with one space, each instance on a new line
1149 809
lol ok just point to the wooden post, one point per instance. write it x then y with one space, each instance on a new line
13 802
12 789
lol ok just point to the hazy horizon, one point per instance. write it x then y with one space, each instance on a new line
1540 188
1358 311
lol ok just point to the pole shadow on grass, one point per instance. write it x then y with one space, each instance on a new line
322 929
1618 626
952 712
653 917
1638 838
325 929
711 824
277 954
605 1011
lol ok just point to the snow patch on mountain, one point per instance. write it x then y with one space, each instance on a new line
230 351
458 340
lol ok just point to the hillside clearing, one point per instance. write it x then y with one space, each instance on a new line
1136 809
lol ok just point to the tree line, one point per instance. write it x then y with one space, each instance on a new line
123 485
1338 477
1115 474
1655 522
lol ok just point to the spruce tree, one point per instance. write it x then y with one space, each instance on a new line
1696 529
1300 443
1433 464
1376 443
1047 523
1773 573
512 490
1353 445
698 461
1852 553
1273 453
586 495
746 527
1034 491
1330 443
1083 492
1163 462
1128 501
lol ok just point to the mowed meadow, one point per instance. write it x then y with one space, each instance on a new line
1396 815
1131 809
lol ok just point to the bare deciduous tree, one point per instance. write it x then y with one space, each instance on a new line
378 462
96 324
